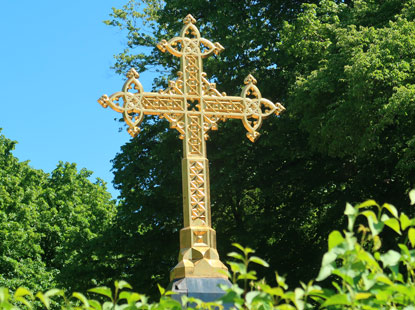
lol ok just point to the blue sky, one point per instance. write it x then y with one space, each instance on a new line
55 60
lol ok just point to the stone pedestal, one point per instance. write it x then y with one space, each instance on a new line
206 289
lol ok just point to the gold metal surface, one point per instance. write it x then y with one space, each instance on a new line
193 106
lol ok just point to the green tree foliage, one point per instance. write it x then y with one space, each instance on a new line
48 222
345 72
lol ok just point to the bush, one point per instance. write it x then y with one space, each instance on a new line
363 274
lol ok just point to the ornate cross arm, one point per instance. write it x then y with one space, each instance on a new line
135 103
250 106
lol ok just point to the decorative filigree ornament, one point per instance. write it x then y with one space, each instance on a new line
193 106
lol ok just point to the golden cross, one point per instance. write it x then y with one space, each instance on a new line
193 106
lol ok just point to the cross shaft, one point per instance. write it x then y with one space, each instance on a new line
193 106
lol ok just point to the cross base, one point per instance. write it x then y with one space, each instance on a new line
205 289
198 257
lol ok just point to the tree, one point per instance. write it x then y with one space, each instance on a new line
344 71
48 222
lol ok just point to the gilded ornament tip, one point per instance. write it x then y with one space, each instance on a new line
133 131
103 101
132 73
280 108
218 48
250 79
189 19
162 45
252 136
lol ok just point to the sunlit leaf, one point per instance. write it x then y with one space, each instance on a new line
54 292
258 261
44 299
240 247
94 304
122 284
411 236
236 256
335 238
405 221
161 289
350 210
367 203
391 209
82 298
337 299
390 258
24 301
394 224
412 197
103 290
375 226
363 295
21 291
325 271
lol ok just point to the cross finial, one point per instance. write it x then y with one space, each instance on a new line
250 80
189 19
132 73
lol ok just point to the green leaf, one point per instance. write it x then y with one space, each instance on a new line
337 299
24 301
394 224
367 203
122 284
384 279
412 197
285 307
281 281
236 256
161 289
240 247
258 261
411 236
370 214
375 226
94 304
237 267
132 297
54 292
250 296
335 238
21 291
108 305
246 276
82 298
325 272
124 295
102 290
391 209
405 221
350 210
44 299
390 258
351 213
345 275
377 243
362 295
4 294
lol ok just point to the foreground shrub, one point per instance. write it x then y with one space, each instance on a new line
357 272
